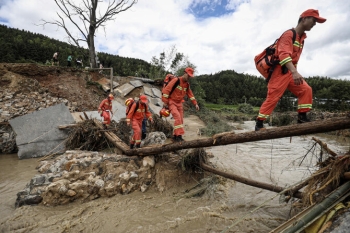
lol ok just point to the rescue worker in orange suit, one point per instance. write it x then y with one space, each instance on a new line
105 110
174 101
286 76
136 114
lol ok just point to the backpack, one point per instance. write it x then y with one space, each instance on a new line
266 61
137 106
167 80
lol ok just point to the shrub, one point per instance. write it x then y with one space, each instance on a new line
245 108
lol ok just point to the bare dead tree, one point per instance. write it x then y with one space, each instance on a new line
86 12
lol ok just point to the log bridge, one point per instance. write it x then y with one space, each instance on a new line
320 126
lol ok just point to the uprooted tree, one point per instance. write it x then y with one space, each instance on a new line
86 12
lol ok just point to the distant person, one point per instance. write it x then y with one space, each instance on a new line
69 61
173 101
55 59
285 75
105 110
138 111
101 67
78 62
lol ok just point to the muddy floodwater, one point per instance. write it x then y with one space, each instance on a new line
229 207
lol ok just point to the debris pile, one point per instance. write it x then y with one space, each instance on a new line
85 175
7 139
13 104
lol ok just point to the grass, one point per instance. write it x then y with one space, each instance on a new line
216 116
219 107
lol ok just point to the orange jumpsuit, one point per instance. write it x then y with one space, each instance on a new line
286 51
174 101
136 118
106 107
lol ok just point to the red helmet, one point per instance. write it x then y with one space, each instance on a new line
189 71
164 112
128 101
144 99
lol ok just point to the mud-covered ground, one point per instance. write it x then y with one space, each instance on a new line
226 205
60 82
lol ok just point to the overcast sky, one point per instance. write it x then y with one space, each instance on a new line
216 35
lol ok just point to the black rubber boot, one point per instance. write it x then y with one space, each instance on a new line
302 118
179 138
259 125
138 146
174 138
143 136
131 146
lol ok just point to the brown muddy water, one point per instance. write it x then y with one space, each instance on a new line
272 161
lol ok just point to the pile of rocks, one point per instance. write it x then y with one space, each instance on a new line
13 104
7 140
86 175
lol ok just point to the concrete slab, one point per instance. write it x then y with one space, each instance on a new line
156 92
124 89
106 84
38 134
153 108
145 80
136 83
157 102
148 91
118 113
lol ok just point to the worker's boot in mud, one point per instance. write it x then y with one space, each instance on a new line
174 138
302 118
179 138
137 146
259 125
131 146
143 136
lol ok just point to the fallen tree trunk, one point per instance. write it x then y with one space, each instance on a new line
324 146
273 133
112 137
253 183
67 126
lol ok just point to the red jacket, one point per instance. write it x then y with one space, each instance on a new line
179 92
287 51
105 105
140 113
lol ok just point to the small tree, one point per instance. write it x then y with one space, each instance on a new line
85 11
169 61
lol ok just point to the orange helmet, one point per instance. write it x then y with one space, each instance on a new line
128 101
164 112
189 71
144 99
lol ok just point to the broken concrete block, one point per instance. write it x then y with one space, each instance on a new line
38 134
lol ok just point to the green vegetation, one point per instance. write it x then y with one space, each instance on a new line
19 46
229 88
226 95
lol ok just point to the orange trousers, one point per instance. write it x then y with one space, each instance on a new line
277 85
106 117
177 111
136 127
